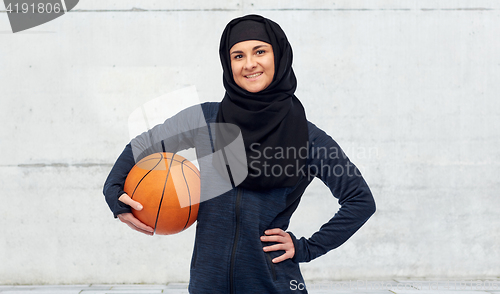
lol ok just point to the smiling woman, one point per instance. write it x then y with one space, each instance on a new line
241 244
252 63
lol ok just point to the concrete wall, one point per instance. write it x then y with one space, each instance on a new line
409 89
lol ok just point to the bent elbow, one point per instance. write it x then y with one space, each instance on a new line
371 207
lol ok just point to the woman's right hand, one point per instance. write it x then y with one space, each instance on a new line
130 219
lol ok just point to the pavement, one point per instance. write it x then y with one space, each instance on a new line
319 287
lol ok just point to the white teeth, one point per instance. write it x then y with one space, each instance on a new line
254 75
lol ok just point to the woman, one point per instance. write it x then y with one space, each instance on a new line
241 241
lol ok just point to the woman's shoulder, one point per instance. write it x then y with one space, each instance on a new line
319 137
207 111
314 131
210 110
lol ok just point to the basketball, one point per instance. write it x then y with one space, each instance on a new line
168 187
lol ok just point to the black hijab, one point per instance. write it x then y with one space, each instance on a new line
272 120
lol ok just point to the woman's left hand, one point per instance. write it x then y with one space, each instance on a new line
285 243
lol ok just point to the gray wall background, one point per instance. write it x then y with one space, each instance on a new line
409 89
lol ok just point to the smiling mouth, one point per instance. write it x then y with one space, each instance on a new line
253 76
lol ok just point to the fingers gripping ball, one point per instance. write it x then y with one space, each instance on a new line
168 187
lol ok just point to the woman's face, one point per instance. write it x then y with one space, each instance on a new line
252 63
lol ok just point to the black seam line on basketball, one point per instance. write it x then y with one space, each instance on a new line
189 194
150 170
176 160
161 157
144 160
163 192
194 170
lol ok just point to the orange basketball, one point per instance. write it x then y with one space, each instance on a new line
168 187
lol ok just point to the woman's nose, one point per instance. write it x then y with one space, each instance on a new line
250 63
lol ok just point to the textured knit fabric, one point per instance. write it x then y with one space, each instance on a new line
228 255
248 30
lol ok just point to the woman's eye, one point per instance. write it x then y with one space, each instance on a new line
260 52
238 56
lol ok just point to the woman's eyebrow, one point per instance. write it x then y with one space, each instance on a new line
259 46
253 49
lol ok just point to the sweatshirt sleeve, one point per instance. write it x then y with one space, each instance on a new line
330 164
113 187
175 134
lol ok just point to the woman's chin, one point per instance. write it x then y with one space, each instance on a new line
254 88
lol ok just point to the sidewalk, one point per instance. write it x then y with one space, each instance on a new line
336 287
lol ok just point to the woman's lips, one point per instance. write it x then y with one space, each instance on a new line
253 76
